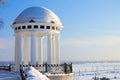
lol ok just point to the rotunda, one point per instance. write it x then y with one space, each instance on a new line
30 27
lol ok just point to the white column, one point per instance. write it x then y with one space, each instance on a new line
19 51
49 49
53 50
40 50
16 55
33 49
57 46
26 41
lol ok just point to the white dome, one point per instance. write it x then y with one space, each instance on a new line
37 14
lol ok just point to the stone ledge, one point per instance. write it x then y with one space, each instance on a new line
60 76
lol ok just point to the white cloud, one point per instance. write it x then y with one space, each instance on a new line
75 42
106 41
97 48
6 43
2 44
103 31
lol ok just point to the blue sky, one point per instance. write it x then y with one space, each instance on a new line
91 28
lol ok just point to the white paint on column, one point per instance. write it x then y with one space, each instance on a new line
33 49
53 49
57 46
49 49
26 41
40 50
19 51
16 54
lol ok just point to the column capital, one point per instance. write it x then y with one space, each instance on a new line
25 34
18 34
39 36
49 33
57 35
32 34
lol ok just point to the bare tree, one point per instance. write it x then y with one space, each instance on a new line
2 2
1 23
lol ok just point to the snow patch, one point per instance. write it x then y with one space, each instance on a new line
33 74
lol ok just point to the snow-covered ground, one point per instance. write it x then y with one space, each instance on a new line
6 75
82 71
87 71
